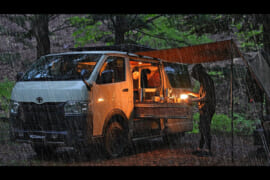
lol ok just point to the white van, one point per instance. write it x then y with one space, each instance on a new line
75 98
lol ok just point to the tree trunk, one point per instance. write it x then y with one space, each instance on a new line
40 28
266 43
266 34
119 27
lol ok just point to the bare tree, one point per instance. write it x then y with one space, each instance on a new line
24 27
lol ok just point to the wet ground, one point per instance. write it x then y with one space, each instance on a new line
145 153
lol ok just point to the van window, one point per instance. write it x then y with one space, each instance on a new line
112 71
178 75
61 67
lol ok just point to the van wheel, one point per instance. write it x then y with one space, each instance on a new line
116 139
43 151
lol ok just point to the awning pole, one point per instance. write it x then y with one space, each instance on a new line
232 129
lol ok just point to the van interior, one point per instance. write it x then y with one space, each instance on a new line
146 81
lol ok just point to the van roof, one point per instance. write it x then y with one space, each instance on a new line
102 52
137 56
88 52
131 48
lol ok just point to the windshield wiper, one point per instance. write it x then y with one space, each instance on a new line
70 77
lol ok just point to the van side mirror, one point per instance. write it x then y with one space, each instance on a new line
84 73
106 77
19 76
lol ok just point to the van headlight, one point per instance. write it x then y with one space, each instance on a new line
14 107
76 107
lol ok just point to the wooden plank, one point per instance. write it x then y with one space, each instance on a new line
161 105
162 110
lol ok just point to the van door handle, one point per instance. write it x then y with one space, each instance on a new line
125 90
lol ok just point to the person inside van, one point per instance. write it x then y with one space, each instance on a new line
206 104
135 77
144 80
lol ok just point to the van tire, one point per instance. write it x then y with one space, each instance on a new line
115 140
44 151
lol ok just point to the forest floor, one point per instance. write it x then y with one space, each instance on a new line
145 153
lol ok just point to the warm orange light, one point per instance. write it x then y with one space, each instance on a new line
183 96
100 100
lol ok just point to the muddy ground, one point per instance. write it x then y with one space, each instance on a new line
145 153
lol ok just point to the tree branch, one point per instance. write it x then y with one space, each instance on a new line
61 28
134 26
164 38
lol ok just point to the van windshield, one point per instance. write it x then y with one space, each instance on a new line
178 75
61 67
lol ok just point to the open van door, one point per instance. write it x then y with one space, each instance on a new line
158 100
111 92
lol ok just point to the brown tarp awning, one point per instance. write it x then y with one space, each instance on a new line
210 52
217 51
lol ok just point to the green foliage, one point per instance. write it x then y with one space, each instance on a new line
222 123
215 73
6 88
196 86
156 31
250 37
248 28
243 125
196 119
166 35
88 31
5 93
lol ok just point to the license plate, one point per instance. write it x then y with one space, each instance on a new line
36 137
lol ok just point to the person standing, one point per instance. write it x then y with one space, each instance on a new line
206 104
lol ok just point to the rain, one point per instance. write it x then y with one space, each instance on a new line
93 114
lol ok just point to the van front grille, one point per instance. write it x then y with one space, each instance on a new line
47 116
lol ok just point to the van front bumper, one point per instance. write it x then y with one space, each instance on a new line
54 138
40 137
71 134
